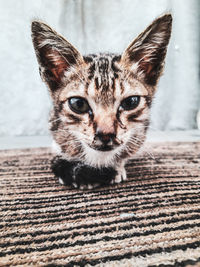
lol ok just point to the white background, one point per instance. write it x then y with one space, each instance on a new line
93 26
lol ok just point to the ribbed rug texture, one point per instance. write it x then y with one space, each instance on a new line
152 219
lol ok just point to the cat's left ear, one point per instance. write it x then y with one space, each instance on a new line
145 55
54 53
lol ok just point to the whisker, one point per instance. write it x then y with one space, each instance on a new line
149 154
58 119
138 143
70 142
59 131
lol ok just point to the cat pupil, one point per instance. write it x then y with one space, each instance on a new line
130 102
80 104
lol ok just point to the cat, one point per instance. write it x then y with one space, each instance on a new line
101 102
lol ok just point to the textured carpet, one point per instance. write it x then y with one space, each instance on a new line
153 219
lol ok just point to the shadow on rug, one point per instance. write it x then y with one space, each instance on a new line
153 219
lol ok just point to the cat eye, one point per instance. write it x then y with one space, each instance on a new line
130 102
78 105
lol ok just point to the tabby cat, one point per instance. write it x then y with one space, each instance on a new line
101 102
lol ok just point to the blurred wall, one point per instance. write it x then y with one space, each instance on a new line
93 26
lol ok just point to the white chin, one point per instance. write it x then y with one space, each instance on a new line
98 158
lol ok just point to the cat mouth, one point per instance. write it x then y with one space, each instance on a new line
104 148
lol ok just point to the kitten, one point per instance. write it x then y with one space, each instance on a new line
101 102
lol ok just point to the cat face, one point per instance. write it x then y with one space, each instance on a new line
104 109
101 102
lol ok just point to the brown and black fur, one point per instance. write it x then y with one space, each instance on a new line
104 81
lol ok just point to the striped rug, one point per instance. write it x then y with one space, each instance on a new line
153 219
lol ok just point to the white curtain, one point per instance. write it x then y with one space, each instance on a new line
94 26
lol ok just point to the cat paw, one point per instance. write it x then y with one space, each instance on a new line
120 177
60 180
89 186
81 176
82 186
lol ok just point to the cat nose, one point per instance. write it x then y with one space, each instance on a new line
105 138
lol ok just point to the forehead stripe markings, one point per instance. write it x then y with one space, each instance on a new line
96 80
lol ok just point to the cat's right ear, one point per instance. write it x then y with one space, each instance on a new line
55 54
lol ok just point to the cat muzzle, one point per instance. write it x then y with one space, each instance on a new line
105 141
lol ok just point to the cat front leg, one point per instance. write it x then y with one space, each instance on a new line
121 173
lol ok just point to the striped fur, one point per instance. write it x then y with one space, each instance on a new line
104 81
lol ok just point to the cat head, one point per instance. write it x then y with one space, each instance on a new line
101 102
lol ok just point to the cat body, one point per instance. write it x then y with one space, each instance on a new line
101 102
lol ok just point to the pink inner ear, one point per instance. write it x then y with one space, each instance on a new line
146 65
57 65
60 67
144 62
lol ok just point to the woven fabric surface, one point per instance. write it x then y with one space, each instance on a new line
152 219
